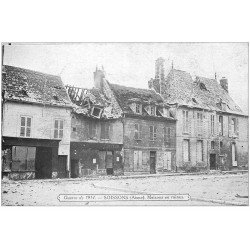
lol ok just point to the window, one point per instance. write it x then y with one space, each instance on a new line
186 150
233 125
23 158
220 125
137 160
167 136
74 129
92 130
212 144
25 126
58 129
221 144
152 110
138 108
105 127
199 123
185 122
212 125
152 133
199 151
138 132
96 112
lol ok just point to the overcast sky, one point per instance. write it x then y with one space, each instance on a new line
133 64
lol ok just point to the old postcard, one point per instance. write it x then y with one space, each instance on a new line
88 124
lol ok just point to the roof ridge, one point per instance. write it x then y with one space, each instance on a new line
32 71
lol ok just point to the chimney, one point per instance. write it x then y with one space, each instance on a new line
99 74
224 83
160 69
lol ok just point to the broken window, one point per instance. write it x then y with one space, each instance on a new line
212 125
25 130
96 112
202 86
185 121
23 158
199 151
138 131
138 108
105 128
186 150
199 124
220 125
152 133
58 129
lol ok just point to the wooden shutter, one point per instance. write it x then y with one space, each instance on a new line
237 126
189 122
102 130
136 136
135 159
140 131
139 159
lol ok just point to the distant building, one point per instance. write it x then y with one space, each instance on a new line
36 118
96 146
212 131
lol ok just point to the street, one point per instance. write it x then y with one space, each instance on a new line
227 189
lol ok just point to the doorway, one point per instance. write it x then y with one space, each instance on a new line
43 163
152 162
234 162
212 161
74 170
62 166
109 163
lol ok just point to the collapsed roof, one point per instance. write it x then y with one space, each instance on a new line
28 86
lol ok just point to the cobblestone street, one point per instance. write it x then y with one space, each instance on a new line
204 190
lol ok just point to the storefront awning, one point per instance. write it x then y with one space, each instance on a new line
29 142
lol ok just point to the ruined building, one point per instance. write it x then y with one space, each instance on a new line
96 130
212 131
36 118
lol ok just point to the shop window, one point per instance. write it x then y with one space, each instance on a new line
25 130
58 129
23 158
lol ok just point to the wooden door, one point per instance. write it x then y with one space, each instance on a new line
234 162
212 161
62 166
152 162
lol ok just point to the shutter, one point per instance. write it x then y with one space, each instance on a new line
229 126
189 121
109 130
147 108
140 159
237 126
90 130
136 135
135 159
224 125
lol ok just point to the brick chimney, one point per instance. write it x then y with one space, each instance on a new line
99 74
224 83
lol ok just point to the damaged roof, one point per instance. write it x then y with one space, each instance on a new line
24 85
126 95
85 99
201 93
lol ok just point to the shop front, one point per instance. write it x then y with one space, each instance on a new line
90 159
27 158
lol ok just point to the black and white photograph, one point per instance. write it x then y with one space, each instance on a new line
124 124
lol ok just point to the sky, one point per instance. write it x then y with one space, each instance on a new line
133 64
